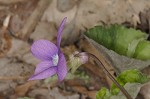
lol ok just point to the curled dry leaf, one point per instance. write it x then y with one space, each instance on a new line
5 42
5 38
22 89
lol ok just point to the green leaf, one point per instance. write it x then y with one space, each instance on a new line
132 88
120 39
133 75
131 80
106 46
143 50
129 76
103 94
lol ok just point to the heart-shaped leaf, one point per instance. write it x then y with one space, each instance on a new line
119 44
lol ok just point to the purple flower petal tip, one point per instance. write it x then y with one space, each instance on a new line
60 30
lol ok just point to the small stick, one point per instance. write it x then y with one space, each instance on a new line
13 78
6 2
104 63
149 29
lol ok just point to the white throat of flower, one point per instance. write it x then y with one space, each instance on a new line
55 59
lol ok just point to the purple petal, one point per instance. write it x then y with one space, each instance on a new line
43 66
62 67
61 27
44 74
44 49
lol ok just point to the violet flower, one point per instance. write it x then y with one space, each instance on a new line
52 59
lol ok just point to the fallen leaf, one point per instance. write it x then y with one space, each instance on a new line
23 89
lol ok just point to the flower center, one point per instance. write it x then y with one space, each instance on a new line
55 59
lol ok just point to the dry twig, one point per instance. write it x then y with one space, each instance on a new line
6 2
13 77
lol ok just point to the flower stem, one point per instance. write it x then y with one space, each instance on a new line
103 63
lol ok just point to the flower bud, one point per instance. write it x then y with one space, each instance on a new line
76 61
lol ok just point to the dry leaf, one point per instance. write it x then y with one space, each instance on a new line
23 89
